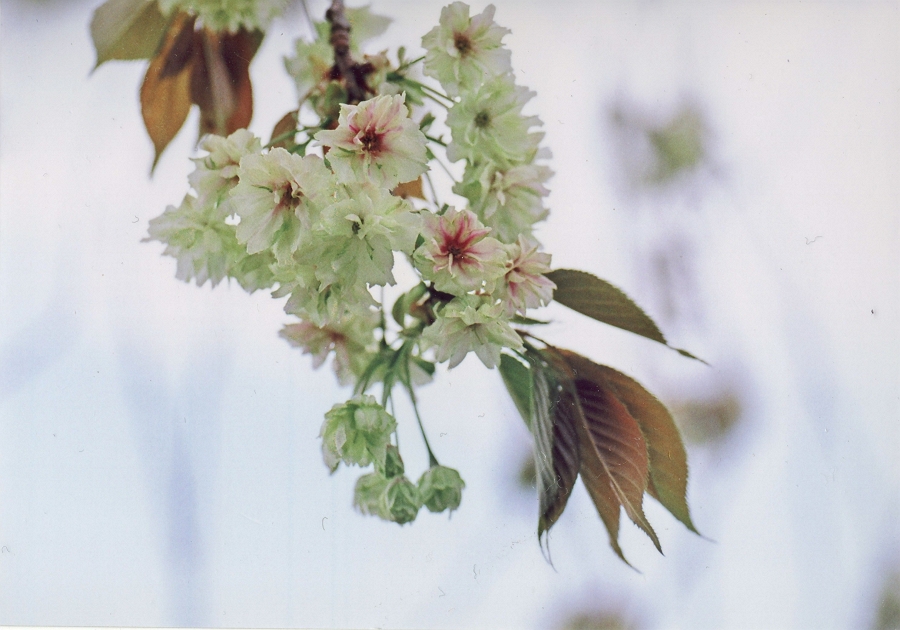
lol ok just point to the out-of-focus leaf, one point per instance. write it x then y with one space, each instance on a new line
611 434
220 82
517 378
238 50
365 25
127 29
555 416
668 459
285 131
889 609
211 86
708 420
166 98
181 51
598 299
410 189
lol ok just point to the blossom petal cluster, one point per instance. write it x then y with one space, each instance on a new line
463 50
229 15
376 142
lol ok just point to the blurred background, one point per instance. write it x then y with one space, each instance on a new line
733 166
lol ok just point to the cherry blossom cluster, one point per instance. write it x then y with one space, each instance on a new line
322 220
229 15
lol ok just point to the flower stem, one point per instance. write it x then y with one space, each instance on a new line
432 460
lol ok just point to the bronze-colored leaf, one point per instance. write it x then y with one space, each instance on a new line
668 459
220 84
285 131
166 100
410 189
211 86
599 486
614 436
181 51
238 50
127 29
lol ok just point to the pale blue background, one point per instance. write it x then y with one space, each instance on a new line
158 454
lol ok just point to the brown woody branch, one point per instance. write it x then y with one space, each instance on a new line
343 61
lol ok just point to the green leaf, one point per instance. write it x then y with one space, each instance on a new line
598 299
668 459
517 378
127 29
526 321
554 424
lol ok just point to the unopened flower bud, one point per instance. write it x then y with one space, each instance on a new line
401 501
441 489
356 432
393 463
369 491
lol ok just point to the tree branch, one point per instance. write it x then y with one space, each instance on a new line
343 61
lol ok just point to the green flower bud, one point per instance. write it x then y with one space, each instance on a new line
369 491
356 432
400 500
393 463
441 489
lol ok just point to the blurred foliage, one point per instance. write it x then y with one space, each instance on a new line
888 617
654 150
679 145
598 621
704 421
527 477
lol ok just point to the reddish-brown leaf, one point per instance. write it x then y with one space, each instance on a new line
238 50
285 131
211 86
166 98
599 486
614 437
220 84
668 459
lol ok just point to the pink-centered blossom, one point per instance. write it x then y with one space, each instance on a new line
376 142
349 337
525 285
458 255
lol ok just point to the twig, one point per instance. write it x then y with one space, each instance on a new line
343 61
